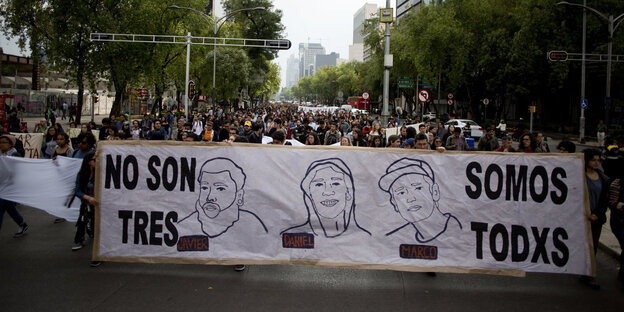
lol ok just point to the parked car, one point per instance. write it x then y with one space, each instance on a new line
476 131
429 116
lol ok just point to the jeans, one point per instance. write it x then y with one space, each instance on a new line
617 227
86 216
9 207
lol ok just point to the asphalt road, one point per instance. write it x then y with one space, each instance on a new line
39 272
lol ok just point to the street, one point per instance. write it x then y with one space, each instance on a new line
39 272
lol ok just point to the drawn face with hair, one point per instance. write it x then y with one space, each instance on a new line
217 193
413 197
329 192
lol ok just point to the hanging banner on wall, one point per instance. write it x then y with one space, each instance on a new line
356 207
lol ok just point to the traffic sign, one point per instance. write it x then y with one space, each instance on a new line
423 96
486 101
386 15
365 95
584 103
450 101
450 96
558 56
405 82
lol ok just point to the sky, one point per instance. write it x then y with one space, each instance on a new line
329 22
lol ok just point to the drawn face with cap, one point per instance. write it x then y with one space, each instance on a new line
218 192
414 197
329 192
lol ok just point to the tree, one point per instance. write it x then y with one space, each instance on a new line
61 29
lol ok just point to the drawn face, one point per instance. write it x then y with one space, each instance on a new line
217 193
412 198
329 192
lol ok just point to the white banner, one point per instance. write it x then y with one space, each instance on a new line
32 143
75 132
366 208
42 183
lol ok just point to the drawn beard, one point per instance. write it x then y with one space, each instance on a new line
210 210
213 220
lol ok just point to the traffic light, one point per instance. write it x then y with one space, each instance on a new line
558 56
95 99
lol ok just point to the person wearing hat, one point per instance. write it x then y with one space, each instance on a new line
7 143
246 129
329 197
415 196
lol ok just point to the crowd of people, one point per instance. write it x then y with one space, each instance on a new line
286 125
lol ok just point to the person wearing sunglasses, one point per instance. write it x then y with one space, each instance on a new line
86 145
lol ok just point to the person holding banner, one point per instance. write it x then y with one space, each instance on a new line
7 143
597 187
84 190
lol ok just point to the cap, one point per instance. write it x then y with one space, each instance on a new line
402 167
248 123
409 142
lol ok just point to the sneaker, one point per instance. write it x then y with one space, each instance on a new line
78 246
21 230
239 267
94 264
59 220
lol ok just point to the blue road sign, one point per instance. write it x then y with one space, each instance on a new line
584 103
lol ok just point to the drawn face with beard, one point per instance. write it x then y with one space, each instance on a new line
329 193
218 192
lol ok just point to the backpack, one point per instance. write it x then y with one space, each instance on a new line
613 163
331 138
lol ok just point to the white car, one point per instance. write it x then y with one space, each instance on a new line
429 116
476 131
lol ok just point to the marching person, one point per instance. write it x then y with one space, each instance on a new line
84 190
7 143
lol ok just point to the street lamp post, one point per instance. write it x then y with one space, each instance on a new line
217 26
613 25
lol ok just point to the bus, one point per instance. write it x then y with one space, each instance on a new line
359 103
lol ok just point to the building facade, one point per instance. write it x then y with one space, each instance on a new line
357 51
403 7
322 60
307 54
292 71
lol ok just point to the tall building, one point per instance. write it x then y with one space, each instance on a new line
322 60
307 53
292 71
403 7
357 51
